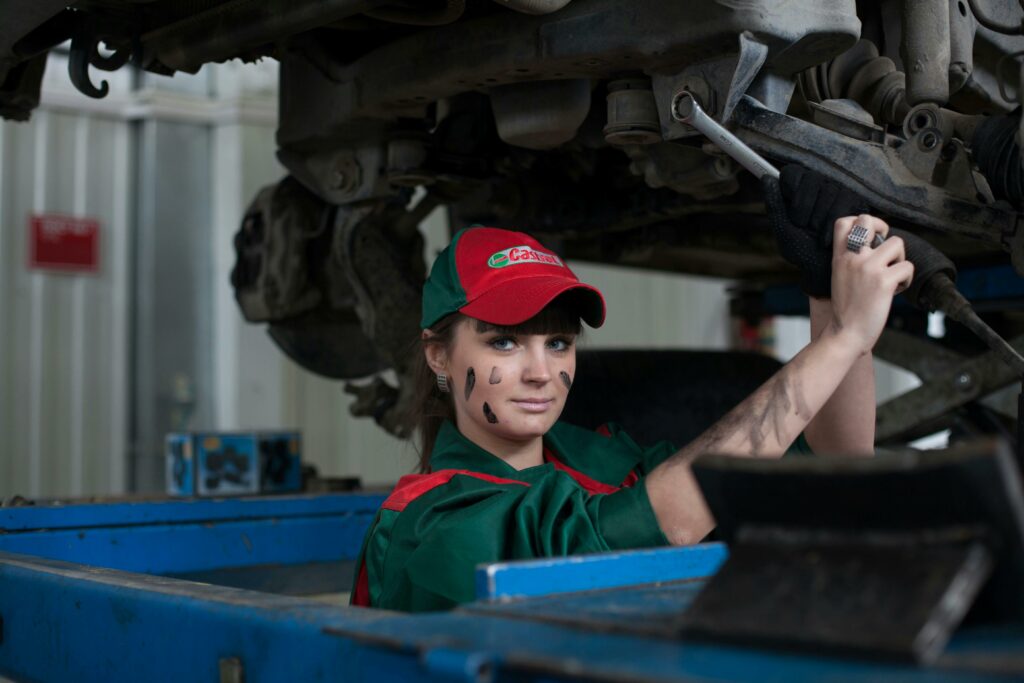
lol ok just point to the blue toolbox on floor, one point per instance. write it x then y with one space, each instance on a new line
233 463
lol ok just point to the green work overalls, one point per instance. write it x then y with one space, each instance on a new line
434 529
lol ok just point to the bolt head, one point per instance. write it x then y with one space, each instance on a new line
963 381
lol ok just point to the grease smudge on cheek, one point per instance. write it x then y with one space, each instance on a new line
470 382
566 379
495 376
489 414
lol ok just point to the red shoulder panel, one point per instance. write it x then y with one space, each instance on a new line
412 486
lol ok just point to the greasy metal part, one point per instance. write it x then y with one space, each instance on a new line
717 85
540 114
632 113
1007 74
49 35
875 172
373 400
238 25
752 56
942 391
773 90
847 117
925 50
343 174
683 169
278 278
861 75
574 43
534 6
686 110
271 277
407 161
957 308
327 341
21 19
381 261
996 150
962 28
418 15
927 115
1007 28
19 93
915 354
945 164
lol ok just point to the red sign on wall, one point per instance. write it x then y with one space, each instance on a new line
64 243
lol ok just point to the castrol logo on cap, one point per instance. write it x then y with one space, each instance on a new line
514 256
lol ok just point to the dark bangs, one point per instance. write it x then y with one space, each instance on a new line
558 317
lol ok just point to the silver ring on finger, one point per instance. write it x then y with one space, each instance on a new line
857 239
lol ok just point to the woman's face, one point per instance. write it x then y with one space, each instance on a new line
510 387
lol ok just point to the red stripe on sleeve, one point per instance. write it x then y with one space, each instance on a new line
412 486
604 431
592 486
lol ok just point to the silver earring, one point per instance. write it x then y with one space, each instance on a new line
442 383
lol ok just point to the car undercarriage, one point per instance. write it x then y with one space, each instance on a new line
555 117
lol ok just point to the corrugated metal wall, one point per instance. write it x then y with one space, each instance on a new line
64 337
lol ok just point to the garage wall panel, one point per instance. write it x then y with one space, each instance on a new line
172 370
61 399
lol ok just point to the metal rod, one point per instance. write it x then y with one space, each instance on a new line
685 109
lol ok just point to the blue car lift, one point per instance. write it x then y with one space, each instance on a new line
209 590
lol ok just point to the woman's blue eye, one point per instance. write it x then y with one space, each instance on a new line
560 344
503 343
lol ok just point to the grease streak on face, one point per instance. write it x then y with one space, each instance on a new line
495 377
470 382
489 414
566 379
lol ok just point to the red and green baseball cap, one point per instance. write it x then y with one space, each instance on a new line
504 278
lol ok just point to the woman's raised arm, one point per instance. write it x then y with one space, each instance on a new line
768 421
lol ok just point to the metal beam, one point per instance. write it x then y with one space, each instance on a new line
272 537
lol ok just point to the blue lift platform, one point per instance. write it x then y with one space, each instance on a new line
215 590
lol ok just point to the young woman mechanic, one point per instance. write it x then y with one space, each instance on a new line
504 480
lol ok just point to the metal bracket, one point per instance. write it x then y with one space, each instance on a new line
949 380
753 54
872 171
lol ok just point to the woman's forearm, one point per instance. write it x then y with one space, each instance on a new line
845 425
764 426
